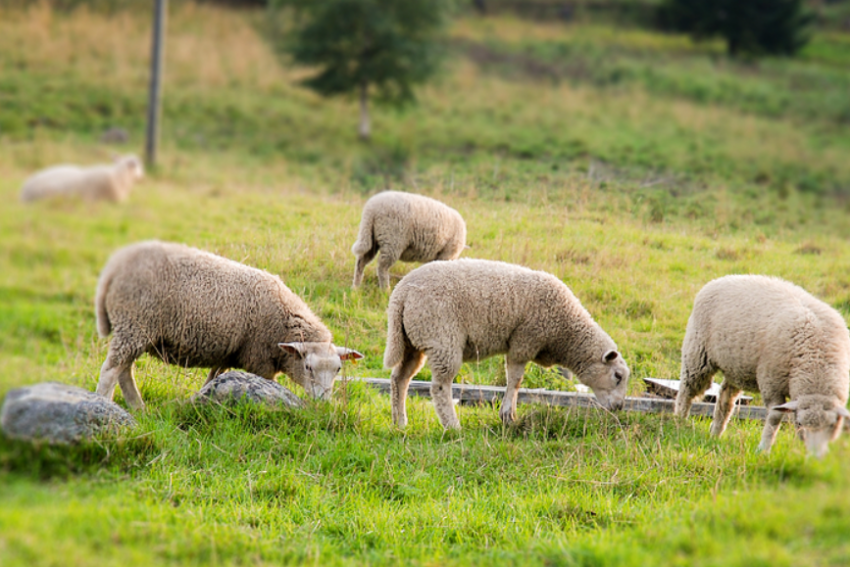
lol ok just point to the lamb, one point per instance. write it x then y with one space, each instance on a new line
768 335
100 182
406 227
195 309
465 310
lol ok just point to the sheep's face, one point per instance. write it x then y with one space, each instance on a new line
316 365
133 165
818 421
608 378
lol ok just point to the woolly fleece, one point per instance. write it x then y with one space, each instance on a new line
100 182
195 309
469 310
768 335
406 227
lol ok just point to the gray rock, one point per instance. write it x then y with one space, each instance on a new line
232 386
59 413
115 135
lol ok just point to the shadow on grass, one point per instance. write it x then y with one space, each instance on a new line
254 417
43 461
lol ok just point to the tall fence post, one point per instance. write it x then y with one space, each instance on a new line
154 94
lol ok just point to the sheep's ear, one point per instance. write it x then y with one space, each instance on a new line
610 356
843 412
787 407
348 354
293 348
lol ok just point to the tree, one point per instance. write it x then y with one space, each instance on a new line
754 27
387 46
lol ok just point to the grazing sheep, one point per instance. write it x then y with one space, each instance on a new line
454 312
98 182
406 227
771 336
195 309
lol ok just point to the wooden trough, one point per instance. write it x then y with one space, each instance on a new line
475 394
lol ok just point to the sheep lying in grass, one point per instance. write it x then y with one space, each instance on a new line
406 227
99 182
771 336
194 309
453 312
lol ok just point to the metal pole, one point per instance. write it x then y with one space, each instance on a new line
152 134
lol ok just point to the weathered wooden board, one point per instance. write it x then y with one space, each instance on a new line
475 394
670 388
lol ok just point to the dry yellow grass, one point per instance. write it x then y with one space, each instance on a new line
206 46
210 49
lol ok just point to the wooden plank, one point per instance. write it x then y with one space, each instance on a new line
476 394
669 389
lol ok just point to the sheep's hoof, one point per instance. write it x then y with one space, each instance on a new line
507 418
716 431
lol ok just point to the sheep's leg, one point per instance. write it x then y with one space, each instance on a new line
695 378
400 379
769 432
361 264
724 408
513 377
385 261
444 368
121 374
129 388
214 372
772 421
108 379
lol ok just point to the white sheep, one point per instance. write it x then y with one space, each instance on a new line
195 309
99 182
406 227
771 336
466 310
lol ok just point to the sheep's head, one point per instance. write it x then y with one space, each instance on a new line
818 420
608 378
132 164
316 365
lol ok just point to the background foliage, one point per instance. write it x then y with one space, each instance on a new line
750 27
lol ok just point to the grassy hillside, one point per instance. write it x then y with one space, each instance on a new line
634 166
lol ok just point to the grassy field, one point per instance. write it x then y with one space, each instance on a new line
634 166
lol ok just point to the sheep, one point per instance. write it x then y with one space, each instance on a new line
466 310
768 335
406 227
99 182
195 309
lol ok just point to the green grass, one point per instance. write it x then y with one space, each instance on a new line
336 485
634 195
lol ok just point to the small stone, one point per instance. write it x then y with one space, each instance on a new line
233 386
59 413
115 135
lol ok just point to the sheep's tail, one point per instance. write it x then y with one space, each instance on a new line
104 326
395 349
364 242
